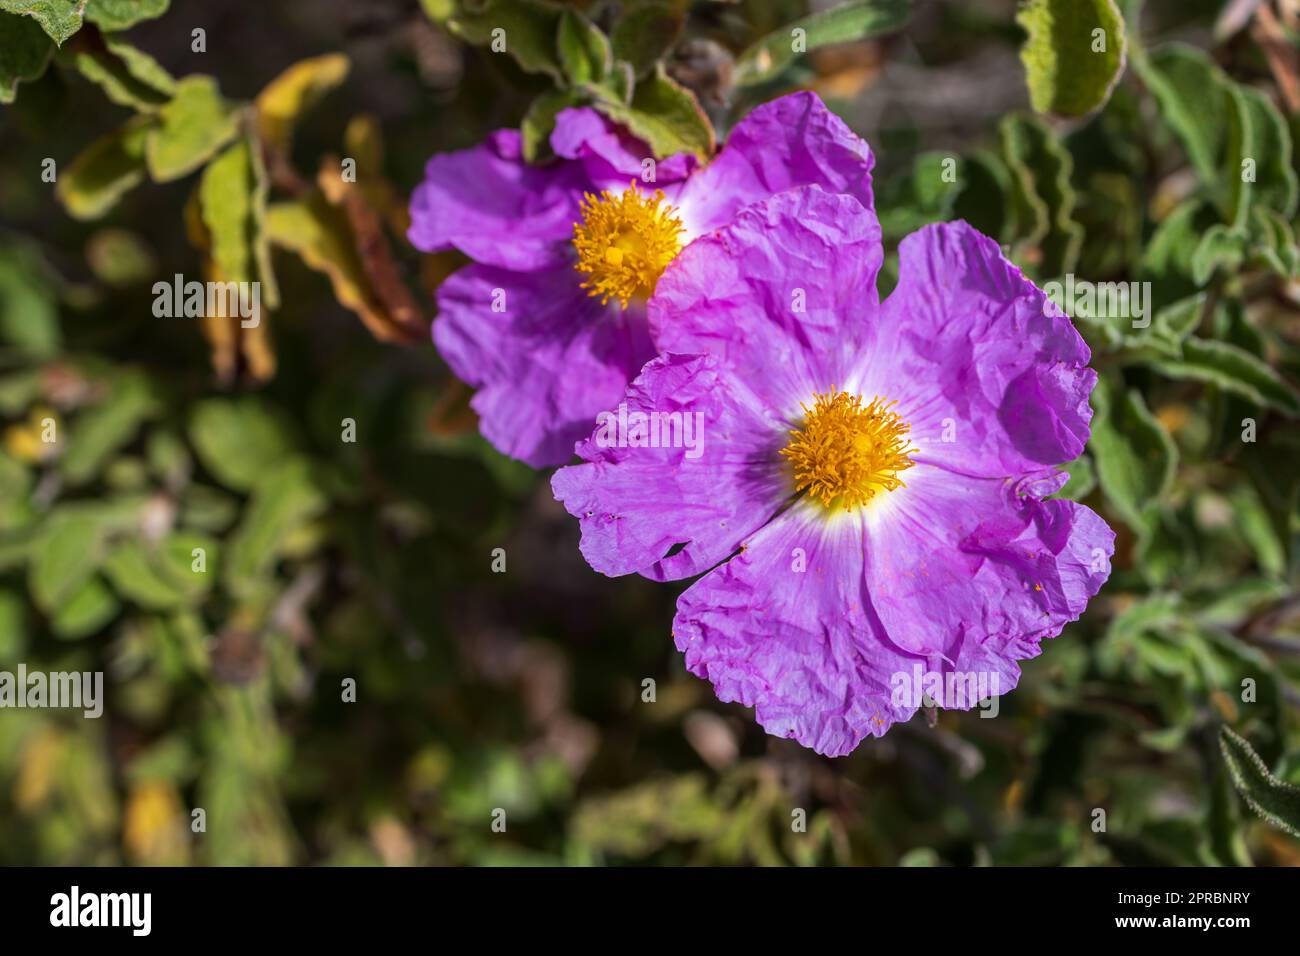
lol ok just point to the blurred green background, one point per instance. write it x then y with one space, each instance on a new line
371 560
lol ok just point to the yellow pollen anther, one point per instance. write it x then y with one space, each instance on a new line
625 242
847 452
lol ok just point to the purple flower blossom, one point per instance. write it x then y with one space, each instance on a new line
869 499
549 321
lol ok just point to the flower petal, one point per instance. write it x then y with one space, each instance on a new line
791 141
991 377
611 155
546 364
816 620
785 627
638 504
785 295
494 207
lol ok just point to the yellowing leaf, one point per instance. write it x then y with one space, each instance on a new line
322 237
294 92
105 171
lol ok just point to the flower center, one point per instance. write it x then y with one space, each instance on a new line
625 242
847 452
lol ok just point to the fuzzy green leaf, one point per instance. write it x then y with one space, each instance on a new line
25 51
1134 455
60 19
193 127
1074 55
105 171
666 115
1274 800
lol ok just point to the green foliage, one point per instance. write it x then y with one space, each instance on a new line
1274 800
1074 53
846 22
666 115
192 127
24 52
105 171
60 19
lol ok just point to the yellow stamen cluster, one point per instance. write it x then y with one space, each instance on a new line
847 452
625 242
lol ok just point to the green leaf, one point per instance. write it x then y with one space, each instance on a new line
130 570
103 429
539 122
226 205
1082 479
1275 183
1224 128
1187 86
1174 323
526 29
105 171
1134 455
193 127
58 18
87 610
584 50
238 440
25 51
645 33
1074 55
1275 801
128 76
1252 521
124 14
282 502
29 315
666 116
855 20
984 199
1042 167
161 577
70 548
1234 370
1222 247
13 626
261 237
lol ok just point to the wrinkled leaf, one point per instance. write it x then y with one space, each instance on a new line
666 115
105 171
1074 55
1133 454
1275 801
25 51
58 18
193 126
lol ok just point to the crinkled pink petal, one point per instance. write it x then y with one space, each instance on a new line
497 209
785 295
817 623
993 380
791 141
546 363
670 512
610 155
